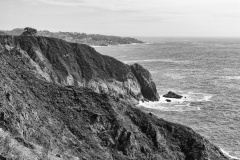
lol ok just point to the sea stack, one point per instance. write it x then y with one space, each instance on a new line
171 94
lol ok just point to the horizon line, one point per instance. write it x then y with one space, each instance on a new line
138 36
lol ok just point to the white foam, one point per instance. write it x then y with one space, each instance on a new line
159 106
197 97
232 77
134 44
175 105
228 155
180 105
207 98
147 43
173 100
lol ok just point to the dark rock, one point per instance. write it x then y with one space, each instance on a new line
2 116
171 94
8 96
58 155
2 157
78 65
82 124
168 100
148 87
150 114
29 32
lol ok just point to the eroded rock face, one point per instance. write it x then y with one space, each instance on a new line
42 120
77 65
148 87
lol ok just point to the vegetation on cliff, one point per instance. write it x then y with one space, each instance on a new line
28 31
40 119
75 64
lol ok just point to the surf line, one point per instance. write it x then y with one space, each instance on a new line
228 155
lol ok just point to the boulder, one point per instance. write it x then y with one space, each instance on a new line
171 94
168 100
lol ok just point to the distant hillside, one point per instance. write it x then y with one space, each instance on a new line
82 38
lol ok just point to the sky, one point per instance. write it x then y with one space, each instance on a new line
160 18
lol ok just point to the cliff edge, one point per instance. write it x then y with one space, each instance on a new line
44 120
80 65
148 87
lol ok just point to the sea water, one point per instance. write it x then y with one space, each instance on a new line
205 71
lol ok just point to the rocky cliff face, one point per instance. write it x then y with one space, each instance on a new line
148 87
78 65
43 120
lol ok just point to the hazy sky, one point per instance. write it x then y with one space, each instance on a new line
125 17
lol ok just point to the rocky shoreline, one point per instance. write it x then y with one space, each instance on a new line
62 100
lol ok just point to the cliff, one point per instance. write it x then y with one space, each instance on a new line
82 38
148 87
44 120
78 65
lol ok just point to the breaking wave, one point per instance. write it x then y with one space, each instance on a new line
228 155
232 77
189 102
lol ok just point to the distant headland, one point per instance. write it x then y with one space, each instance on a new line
81 38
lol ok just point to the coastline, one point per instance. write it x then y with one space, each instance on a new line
228 155
101 110
181 58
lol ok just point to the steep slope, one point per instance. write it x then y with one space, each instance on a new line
148 87
75 64
42 120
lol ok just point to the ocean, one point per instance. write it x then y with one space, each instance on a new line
206 71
